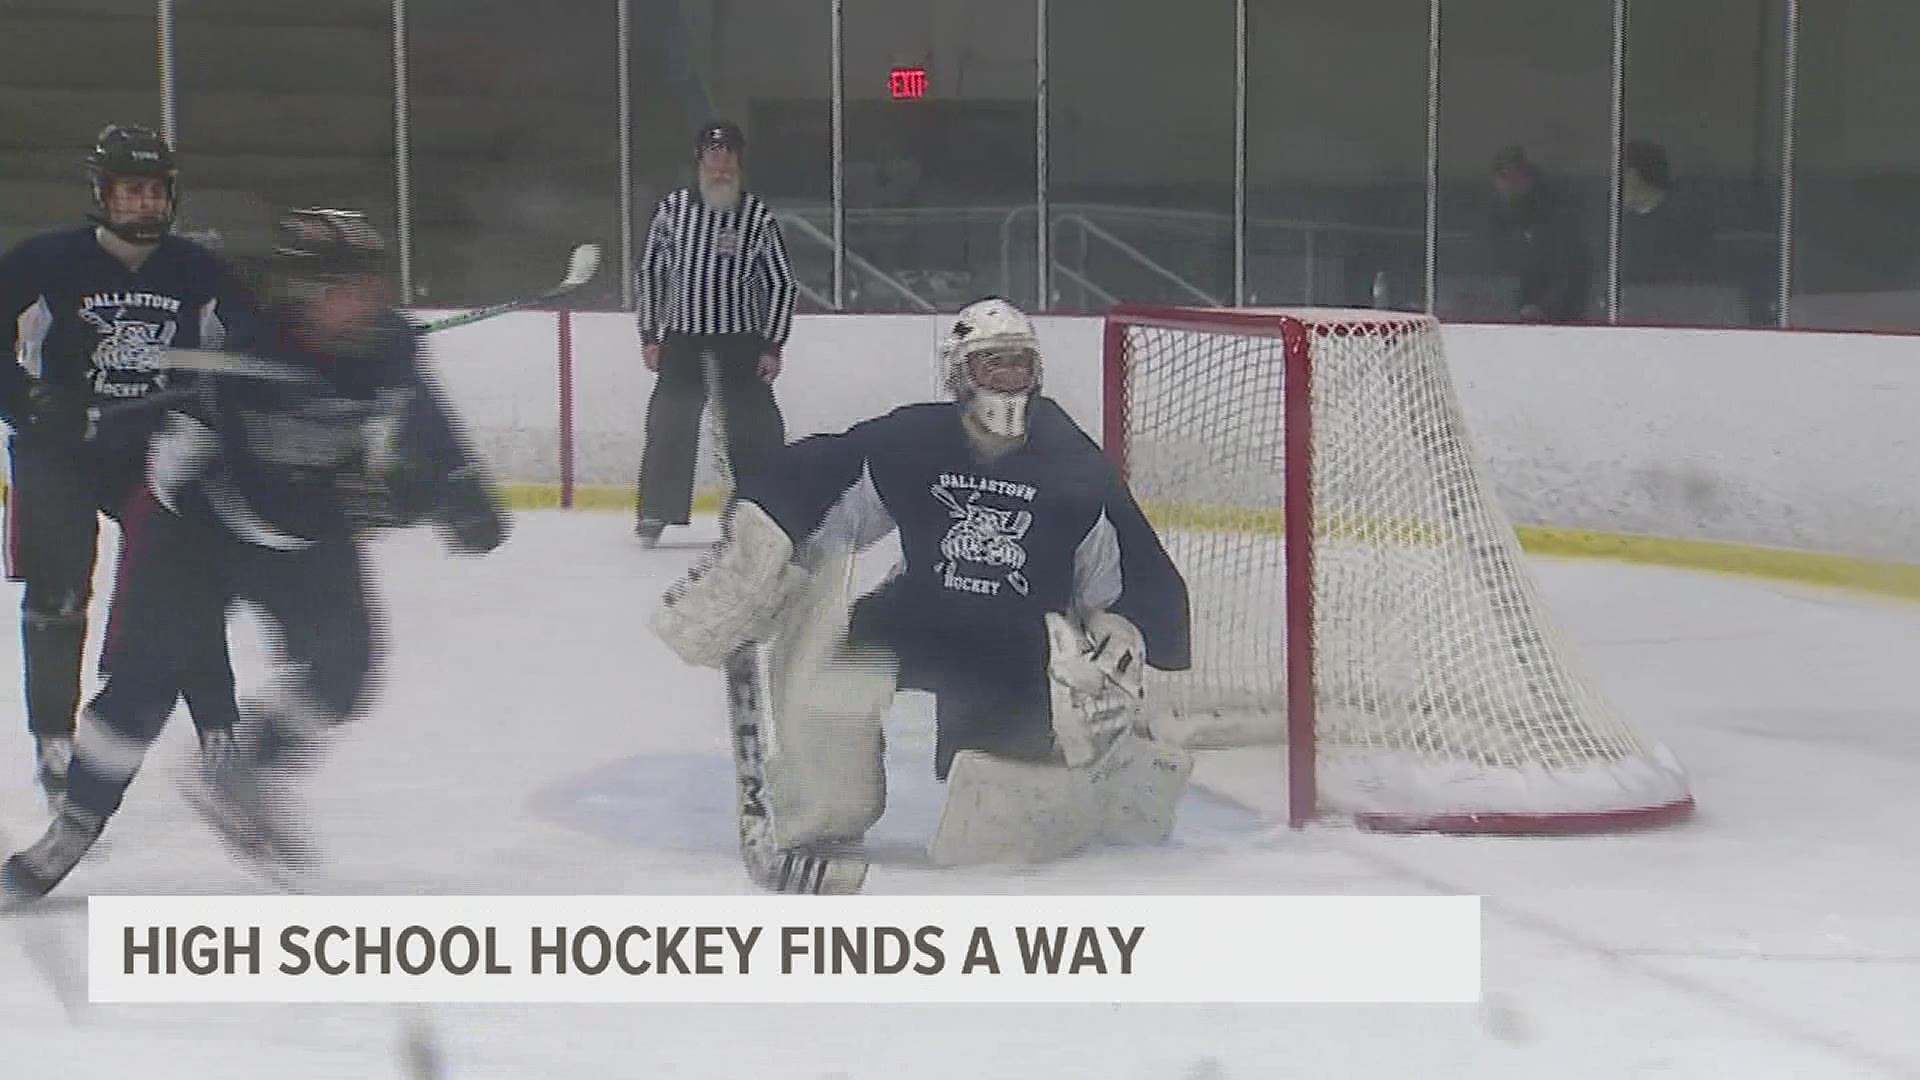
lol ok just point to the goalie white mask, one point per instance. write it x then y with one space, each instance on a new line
992 362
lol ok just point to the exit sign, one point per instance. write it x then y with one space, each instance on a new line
907 83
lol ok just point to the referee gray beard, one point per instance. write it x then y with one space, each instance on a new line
720 194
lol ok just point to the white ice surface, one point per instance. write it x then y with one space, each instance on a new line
533 738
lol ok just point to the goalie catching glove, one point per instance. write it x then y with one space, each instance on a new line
733 594
1098 682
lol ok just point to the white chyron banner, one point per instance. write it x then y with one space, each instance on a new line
780 949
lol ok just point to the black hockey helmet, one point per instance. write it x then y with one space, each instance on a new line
720 135
317 252
317 244
132 150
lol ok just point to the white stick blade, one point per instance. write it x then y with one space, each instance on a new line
583 264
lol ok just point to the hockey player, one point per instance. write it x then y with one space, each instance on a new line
90 312
261 490
1031 595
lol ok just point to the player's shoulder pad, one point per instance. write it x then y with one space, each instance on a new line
415 328
908 420
1048 421
406 350
901 426
206 261
400 326
58 246
920 412
186 245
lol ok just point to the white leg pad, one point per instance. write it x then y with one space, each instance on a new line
1001 811
825 750
1143 781
826 775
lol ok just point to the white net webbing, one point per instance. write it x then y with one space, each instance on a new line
1441 683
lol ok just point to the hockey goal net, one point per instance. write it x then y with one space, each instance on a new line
1358 594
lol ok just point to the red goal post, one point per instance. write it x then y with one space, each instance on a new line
1359 597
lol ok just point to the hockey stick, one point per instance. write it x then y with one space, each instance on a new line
215 362
209 361
714 421
581 266
421 1052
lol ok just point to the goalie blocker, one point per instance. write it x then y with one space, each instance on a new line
1032 597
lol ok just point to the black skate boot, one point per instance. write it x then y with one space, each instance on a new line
31 874
649 530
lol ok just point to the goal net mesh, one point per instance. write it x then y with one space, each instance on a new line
1440 684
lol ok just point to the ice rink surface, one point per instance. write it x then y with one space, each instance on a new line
532 737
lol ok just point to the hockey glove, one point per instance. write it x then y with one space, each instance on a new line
57 414
1097 675
733 594
471 521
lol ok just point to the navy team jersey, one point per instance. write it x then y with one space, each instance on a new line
274 459
75 316
986 544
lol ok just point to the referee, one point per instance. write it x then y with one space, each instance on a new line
715 288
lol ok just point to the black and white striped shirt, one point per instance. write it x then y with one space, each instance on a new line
709 271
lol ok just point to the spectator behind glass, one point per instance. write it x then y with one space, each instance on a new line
1537 239
1664 237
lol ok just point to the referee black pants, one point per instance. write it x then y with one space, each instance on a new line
747 414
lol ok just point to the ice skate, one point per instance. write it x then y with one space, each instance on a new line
32 873
259 826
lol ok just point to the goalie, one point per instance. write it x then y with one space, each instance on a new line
1031 595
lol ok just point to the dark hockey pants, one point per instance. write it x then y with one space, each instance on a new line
990 684
168 630
753 424
52 543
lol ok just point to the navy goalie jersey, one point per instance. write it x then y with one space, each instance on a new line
1048 527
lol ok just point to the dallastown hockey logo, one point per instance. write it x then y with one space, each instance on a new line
983 536
129 359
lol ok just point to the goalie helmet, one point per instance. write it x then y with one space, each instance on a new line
991 359
120 151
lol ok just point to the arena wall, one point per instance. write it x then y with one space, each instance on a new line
1757 450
